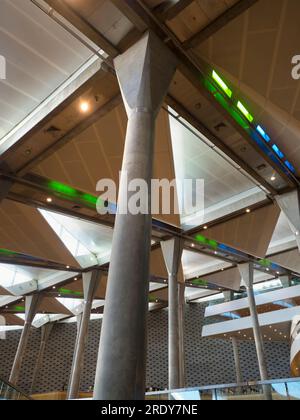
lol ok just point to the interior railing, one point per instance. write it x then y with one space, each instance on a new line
11 392
285 390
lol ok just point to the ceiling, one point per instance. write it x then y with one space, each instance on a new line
252 52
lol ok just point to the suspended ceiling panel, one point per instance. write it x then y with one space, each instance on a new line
157 264
198 15
250 233
3 292
229 279
289 259
40 56
51 305
283 238
195 264
11 319
24 230
97 154
255 53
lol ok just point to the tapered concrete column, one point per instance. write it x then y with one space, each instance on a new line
172 253
144 72
90 285
247 273
31 307
45 334
237 362
181 326
289 204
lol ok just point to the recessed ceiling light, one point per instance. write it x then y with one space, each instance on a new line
67 267
205 227
84 106
248 211
273 178
49 200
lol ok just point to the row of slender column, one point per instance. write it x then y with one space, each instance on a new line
144 73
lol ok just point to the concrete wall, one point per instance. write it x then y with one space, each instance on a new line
208 361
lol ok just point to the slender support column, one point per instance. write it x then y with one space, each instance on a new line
31 306
144 73
289 204
172 252
285 281
45 334
228 296
181 318
247 273
237 362
90 285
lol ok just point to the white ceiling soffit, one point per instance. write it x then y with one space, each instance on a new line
40 57
283 237
229 279
24 230
226 189
250 233
195 264
95 241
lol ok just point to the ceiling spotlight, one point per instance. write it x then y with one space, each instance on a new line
49 200
193 245
84 106
53 287
248 211
273 178
67 267
205 227
297 233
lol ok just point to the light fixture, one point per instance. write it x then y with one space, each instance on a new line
245 111
67 267
248 211
222 84
290 166
273 178
84 106
278 152
49 200
205 227
263 133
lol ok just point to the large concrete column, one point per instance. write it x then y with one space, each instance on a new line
172 252
237 362
247 273
31 307
45 334
289 204
181 326
90 285
144 72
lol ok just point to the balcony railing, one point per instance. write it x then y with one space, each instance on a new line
285 389
10 392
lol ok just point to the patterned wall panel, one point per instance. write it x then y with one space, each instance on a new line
208 361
